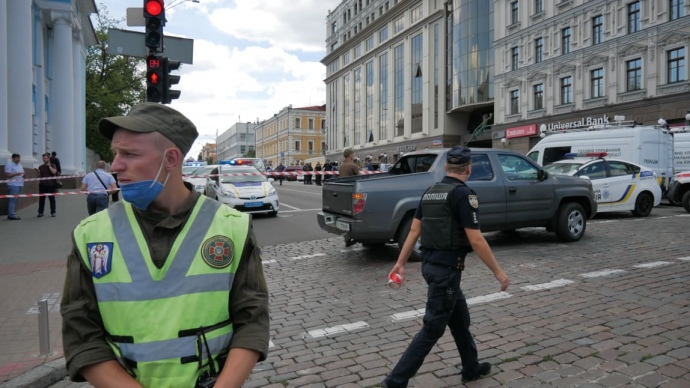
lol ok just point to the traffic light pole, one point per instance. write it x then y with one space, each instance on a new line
158 67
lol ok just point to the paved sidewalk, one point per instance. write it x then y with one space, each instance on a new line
32 267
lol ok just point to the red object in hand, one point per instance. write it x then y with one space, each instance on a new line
394 281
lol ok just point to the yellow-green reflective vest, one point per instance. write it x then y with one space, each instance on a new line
153 317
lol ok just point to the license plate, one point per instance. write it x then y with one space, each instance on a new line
342 226
253 204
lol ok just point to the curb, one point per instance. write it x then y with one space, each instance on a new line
41 376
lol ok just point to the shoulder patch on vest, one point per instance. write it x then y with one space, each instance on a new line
218 251
100 257
474 202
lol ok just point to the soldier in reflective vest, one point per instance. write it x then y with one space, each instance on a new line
165 288
447 219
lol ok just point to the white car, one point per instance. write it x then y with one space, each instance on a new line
198 177
243 188
618 185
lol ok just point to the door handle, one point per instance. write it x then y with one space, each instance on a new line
512 190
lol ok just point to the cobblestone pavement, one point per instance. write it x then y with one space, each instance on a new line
610 310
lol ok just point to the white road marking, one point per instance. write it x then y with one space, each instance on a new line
353 250
545 286
407 315
337 329
291 207
301 192
298 210
488 298
605 272
687 258
652 264
308 256
269 262
53 303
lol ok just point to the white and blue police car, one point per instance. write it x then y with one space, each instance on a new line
243 188
619 185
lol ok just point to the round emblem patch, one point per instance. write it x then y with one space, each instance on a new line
218 251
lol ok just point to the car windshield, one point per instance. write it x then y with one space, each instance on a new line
565 168
189 170
204 170
242 178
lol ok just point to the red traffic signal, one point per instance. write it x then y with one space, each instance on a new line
155 83
153 8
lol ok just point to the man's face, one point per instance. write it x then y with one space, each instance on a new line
16 159
137 156
46 159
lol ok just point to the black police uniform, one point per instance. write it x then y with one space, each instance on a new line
442 270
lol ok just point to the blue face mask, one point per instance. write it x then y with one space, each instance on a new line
141 194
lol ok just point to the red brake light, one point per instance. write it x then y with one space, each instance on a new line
358 202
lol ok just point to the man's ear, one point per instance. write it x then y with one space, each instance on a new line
173 158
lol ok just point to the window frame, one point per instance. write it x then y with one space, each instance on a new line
637 72
597 83
634 17
538 96
679 71
566 90
514 98
514 58
565 40
514 12
597 30
539 50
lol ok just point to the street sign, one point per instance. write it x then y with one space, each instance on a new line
135 17
131 43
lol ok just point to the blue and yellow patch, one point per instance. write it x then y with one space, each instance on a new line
100 257
218 251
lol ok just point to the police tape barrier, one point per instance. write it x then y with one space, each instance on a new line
62 193
45 179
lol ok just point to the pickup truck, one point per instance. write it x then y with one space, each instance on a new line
514 192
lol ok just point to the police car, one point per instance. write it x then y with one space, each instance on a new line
243 188
198 177
618 185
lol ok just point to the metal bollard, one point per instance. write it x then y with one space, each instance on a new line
43 327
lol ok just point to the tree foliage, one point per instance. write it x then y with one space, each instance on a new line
113 84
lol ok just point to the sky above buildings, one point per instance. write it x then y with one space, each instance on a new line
251 57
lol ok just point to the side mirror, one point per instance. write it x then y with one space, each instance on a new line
542 175
585 177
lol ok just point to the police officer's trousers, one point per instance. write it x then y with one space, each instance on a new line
440 312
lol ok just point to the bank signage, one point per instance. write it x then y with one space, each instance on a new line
525 130
407 148
585 121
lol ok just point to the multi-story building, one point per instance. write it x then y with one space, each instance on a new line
236 141
575 62
208 153
292 135
408 74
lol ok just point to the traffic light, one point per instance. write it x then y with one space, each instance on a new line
154 15
155 78
169 80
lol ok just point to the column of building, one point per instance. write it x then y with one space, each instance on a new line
4 34
78 102
19 81
62 91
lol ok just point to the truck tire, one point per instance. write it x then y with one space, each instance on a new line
643 205
686 201
402 236
571 222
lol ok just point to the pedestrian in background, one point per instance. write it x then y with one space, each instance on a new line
99 184
447 219
15 174
327 167
317 169
47 186
348 168
166 288
56 161
280 169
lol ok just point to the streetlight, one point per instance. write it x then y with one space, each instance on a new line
175 3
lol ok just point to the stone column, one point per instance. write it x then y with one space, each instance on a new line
20 80
62 92
79 101
5 154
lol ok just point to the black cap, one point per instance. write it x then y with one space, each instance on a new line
151 117
459 155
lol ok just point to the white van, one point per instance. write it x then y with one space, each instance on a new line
681 149
649 146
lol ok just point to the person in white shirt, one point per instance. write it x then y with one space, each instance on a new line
99 184
15 172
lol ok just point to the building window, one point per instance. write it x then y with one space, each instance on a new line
369 102
416 14
514 102
567 90
633 17
334 28
514 15
633 70
346 58
597 29
399 25
311 123
514 57
538 50
383 96
297 145
323 123
676 65
565 41
298 123
358 51
383 34
538 96
358 107
416 83
597 77
370 43
676 9
538 6
399 89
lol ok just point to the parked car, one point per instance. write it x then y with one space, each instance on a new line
243 188
680 190
198 177
295 170
619 185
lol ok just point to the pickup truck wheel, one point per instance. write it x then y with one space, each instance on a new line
643 205
571 222
402 236
686 201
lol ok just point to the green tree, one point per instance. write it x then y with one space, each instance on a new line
250 154
113 84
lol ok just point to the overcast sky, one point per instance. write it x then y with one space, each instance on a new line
251 57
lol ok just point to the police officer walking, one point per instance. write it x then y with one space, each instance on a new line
444 247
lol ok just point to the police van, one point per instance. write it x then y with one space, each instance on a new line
650 146
681 149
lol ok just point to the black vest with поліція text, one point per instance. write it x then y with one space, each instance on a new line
440 230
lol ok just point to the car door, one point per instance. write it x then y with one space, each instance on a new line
622 182
527 197
212 183
492 202
596 173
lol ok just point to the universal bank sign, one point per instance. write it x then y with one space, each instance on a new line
584 122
